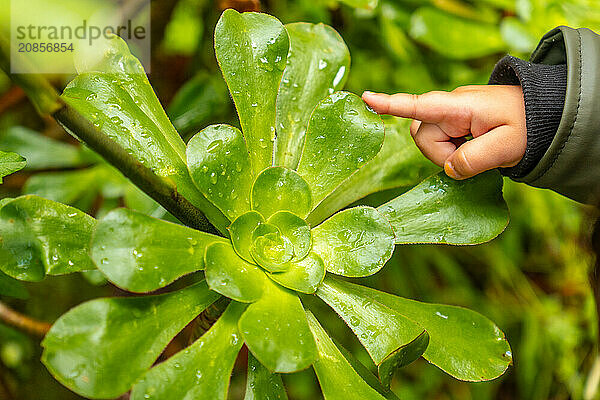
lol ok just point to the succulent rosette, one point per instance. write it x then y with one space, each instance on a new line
274 190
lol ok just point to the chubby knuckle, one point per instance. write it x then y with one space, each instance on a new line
414 101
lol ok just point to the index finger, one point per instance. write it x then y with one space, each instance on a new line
430 107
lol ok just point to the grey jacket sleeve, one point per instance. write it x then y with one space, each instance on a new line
571 165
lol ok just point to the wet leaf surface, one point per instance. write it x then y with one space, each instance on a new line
202 370
219 164
281 189
241 231
252 50
115 95
318 64
10 163
391 339
444 210
228 274
355 242
100 348
295 229
462 342
136 252
303 276
262 384
40 237
276 331
399 164
338 379
342 135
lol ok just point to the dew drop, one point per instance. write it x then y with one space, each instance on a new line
214 146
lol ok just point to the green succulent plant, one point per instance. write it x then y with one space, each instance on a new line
9 163
305 151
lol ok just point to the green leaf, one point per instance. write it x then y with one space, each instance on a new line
318 64
365 372
77 187
115 95
41 152
465 40
10 163
342 135
276 331
355 242
463 343
391 339
262 384
141 254
136 200
280 189
303 276
39 237
100 348
252 50
219 164
399 164
198 102
366 4
241 233
338 379
228 274
12 288
444 210
201 371
295 229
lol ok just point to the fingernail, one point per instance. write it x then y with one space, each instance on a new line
450 171
366 92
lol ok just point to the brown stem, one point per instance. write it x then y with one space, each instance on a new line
23 322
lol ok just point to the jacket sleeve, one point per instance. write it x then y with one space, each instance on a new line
571 165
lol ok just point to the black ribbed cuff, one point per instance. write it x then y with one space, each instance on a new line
544 90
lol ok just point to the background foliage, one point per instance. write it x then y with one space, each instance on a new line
531 281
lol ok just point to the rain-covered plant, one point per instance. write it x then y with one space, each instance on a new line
73 175
10 162
273 192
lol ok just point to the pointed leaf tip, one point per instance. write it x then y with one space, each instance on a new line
446 211
343 134
252 50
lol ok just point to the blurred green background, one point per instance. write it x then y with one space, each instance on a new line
532 281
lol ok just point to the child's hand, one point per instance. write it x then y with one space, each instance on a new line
494 115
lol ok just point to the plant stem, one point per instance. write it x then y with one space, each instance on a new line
47 101
23 322
208 318
153 185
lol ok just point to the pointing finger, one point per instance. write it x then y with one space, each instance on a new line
428 107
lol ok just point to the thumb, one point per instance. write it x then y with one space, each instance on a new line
500 147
